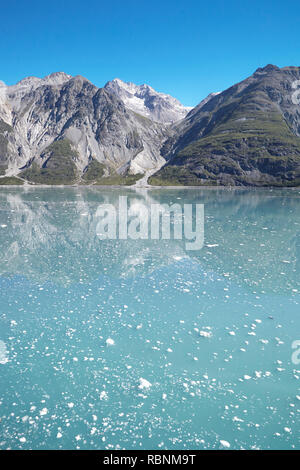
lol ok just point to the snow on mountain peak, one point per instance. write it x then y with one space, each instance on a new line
144 100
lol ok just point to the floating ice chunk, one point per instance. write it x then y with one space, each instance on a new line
205 334
110 342
59 435
22 439
287 429
238 420
139 327
103 395
232 333
144 384
43 412
247 377
164 396
71 405
264 341
169 350
225 443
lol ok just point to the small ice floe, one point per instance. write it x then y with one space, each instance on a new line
43 412
231 333
139 327
224 443
71 405
22 439
110 342
264 341
287 430
247 377
205 334
144 384
164 396
59 435
3 226
237 420
169 350
103 395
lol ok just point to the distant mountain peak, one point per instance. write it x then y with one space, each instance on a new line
144 100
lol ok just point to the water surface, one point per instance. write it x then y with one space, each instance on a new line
64 292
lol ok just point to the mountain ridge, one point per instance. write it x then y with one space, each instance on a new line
64 130
245 135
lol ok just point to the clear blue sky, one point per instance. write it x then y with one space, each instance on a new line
186 48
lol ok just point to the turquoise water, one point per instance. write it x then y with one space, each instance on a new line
64 292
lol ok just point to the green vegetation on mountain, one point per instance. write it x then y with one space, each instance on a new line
58 165
10 181
247 135
97 173
93 171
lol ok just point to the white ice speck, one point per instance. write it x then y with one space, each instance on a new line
110 342
205 334
103 395
144 384
225 443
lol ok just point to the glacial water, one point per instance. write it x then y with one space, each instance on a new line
210 330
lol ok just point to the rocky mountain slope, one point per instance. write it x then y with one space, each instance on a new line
63 129
246 135
146 101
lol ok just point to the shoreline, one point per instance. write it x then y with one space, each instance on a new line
79 186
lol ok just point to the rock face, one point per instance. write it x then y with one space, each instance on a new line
54 129
64 130
246 135
146 101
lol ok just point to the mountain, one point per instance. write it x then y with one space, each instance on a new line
247 135
146 101
63 129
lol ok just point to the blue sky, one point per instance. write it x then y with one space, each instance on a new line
186 48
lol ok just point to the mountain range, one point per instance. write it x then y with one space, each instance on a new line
64 130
